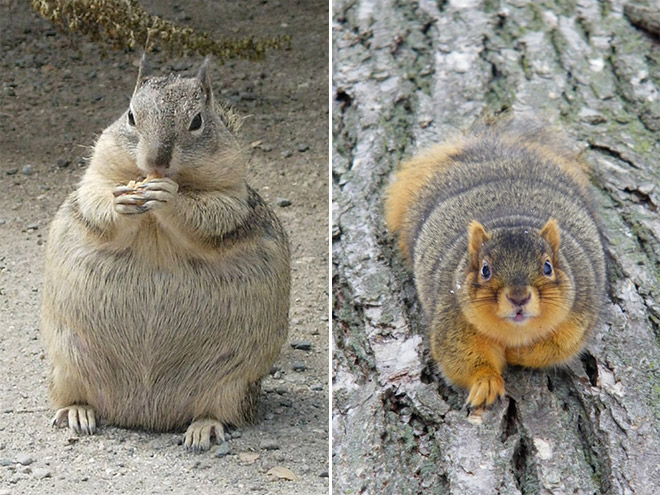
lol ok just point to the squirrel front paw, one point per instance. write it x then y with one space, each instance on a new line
144 196
485 390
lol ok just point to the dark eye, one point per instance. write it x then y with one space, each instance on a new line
131 119
547 268
485 270
196 122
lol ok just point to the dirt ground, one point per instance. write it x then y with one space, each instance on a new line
60 91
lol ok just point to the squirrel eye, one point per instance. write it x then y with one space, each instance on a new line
547 268
131 119
485 271
196 122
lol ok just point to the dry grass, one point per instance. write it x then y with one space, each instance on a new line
124 24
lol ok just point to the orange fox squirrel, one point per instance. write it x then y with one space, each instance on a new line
506 252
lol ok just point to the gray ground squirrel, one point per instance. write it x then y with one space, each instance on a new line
506 252
165 299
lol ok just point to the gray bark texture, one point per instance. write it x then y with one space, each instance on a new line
409 74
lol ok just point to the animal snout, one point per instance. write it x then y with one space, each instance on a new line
159 158
519 300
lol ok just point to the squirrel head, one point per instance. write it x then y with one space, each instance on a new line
174 128
515 288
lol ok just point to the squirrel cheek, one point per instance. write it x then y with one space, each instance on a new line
554 305
481 309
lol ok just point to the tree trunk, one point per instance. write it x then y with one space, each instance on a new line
410 74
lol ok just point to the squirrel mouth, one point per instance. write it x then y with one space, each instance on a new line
519 316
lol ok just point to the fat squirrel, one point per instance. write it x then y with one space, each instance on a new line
165 301
506 252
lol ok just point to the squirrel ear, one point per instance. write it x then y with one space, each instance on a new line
205 78
143 72
476 237
550 232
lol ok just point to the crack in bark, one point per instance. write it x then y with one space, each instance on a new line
644 239
609 151
644 18
500 91
590 366
510 421
595 455
347 322
523 468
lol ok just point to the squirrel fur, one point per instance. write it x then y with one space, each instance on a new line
165 304
505 249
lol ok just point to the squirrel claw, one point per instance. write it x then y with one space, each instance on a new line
164 184
485 391
122 190
81 419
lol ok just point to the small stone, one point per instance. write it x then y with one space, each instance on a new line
41 473
27 170
32 226
283 202
324 474
269 416
62 163
281 473
269 444
6 462
287 153
302 147
317 387
16 478
274 369
248 457
266 148
301 345
12 171
24 459
236 434
298 366
222 450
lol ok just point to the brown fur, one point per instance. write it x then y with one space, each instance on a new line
509 198
156 318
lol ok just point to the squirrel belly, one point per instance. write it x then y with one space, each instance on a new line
508 262
167 278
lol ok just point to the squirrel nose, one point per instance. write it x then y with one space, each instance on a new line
159 157
518 300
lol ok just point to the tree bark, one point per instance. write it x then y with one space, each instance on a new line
410 74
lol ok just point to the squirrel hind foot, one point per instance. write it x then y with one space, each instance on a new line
199 434
80 418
